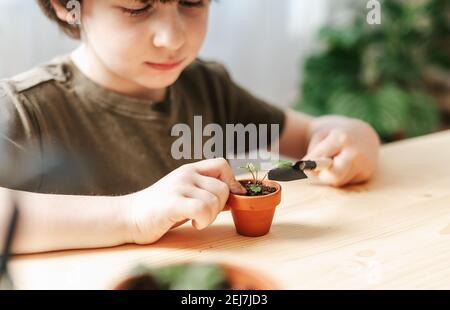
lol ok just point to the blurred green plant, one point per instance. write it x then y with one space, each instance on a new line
375 72
180 277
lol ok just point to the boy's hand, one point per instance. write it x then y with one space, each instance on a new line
353 145
196 192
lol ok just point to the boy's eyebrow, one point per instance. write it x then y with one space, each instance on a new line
152 1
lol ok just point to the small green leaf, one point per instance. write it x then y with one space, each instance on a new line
282 164
187 277
255 188
249 167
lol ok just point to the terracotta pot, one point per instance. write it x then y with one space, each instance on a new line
253 215
238 278
243 279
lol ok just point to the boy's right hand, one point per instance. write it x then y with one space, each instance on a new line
196 192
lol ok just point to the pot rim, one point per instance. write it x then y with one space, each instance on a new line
277 186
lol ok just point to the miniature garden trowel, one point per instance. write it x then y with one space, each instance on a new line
296 171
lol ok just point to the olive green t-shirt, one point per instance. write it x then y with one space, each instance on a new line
62 133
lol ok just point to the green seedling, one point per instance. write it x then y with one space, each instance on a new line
256 186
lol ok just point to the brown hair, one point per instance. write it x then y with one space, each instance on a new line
72 31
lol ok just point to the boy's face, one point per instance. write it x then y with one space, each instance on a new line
131 38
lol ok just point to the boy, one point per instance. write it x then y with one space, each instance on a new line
110 106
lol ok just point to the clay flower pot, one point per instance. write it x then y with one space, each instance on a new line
253 215
242 279
238 278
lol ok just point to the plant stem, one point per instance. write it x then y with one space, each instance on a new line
254 179
264 177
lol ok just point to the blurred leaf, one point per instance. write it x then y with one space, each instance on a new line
341 39
391 106
424 115
375 73
187 276
200 277
282 164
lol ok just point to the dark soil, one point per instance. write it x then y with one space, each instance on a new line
266 190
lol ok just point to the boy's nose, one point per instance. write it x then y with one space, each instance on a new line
169 32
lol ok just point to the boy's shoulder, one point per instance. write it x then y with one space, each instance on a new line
52 71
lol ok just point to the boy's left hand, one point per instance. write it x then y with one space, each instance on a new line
353 145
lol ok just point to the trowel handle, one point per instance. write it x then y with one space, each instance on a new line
316 165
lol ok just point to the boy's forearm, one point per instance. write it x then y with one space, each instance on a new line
296 134
59 222
300 128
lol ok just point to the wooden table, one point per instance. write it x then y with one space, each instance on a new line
392 233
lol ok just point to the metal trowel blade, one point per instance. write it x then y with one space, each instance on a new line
286 174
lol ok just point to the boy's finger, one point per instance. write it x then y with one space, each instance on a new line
213 203
316 139
220 169
196 210
330 146
214 186
340 173
178 224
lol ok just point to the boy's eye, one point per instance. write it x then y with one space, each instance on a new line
137 12
149 7
191 4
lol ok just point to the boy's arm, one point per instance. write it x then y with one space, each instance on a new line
353 145
57 222
196 192
294 138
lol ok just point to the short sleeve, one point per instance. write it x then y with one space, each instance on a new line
20 156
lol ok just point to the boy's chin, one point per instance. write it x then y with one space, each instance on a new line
158 83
